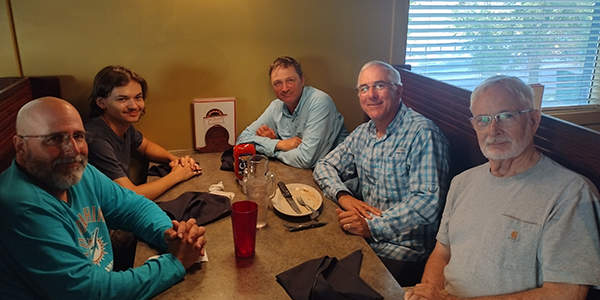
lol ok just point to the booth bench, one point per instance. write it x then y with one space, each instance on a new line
571 145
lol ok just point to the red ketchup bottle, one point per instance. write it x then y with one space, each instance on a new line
240 152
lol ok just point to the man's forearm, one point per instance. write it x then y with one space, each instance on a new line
434 269
549 291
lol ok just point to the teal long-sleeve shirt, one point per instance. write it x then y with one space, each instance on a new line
50 249
316 121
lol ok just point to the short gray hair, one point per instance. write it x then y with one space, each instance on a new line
513 85
393 74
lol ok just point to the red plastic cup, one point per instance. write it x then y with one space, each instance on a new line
243 221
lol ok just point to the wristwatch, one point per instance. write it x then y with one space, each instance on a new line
340 194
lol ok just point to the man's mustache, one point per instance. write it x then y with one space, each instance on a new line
497 140
68 160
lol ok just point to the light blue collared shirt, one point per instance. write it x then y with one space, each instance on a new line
315 120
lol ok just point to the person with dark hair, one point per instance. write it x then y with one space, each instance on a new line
117 101
389 176
520 226
56 212
299 127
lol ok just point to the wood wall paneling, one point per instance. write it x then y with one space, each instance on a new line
15 93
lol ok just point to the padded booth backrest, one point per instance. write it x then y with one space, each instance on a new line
571 145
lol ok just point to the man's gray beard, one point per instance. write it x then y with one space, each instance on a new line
515 149
49 176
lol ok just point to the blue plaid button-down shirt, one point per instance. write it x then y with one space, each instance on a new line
404 173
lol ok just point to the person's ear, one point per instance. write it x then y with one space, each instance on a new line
101 102
535 119
399 90
19 144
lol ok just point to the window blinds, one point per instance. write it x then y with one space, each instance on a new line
554 43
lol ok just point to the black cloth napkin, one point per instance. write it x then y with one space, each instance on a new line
328 278
227 160
160 170
204 207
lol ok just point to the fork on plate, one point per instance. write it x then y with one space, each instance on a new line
313 213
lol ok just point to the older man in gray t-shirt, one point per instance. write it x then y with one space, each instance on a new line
520 226
513 234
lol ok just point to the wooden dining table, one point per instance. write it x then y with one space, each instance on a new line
224 276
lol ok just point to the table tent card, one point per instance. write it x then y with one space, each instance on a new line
214 124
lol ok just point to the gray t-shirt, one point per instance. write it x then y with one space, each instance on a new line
110 153
512 234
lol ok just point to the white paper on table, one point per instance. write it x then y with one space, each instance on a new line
203 258
219 189
200 258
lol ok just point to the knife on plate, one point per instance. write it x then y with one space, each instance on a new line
288 196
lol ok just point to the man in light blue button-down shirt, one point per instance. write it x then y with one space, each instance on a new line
400 160
299 127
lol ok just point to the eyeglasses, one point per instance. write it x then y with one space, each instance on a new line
506 119
60 139
378 86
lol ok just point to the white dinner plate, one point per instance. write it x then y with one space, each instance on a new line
310 196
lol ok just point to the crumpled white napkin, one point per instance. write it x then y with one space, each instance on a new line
200 258
219 189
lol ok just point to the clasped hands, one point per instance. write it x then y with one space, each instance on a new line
186 241
186 166
352 218
282 145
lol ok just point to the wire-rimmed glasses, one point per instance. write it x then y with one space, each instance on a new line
378 86
59 139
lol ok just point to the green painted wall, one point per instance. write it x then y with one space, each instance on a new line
190 49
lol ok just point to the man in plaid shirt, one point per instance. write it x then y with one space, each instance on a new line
399 162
